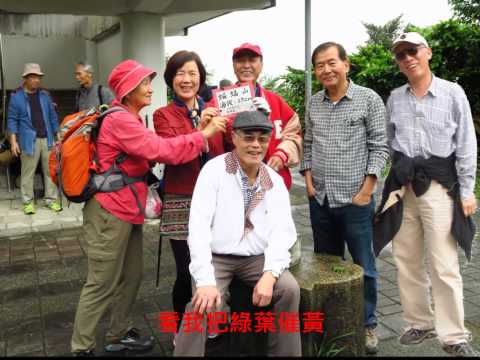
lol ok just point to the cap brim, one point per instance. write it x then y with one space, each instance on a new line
405 42
259 127
245 50
33 73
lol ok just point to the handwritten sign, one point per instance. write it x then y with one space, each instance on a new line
234 99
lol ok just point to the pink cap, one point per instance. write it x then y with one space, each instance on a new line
126 76
249 47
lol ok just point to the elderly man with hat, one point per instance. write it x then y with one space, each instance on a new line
32 125
428 197
285 148
241 225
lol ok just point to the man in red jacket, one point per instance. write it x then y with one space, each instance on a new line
285 148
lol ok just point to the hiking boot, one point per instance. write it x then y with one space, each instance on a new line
462 349
54 206
29 208
416 336
371 341
84 353
132 341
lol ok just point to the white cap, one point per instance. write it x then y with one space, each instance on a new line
410 37
32 68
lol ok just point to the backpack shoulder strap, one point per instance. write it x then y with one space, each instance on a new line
100 97
100 117
77 100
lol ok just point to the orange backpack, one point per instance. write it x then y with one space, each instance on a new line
73 162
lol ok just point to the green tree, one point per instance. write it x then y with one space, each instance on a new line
373 67
466 10
455 46
383 35
291 86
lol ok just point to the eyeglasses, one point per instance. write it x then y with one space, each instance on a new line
250 138
412 51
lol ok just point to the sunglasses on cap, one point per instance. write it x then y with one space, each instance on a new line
411 51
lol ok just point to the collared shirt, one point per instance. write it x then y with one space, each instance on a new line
248 190
344 142
217 219
438 124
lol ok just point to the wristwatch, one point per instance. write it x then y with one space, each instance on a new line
275 274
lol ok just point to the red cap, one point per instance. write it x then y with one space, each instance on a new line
249 47
126 76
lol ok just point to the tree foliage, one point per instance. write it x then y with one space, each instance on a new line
383 35
291 86
466 10
455 46
373 67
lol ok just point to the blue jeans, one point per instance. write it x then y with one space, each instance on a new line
351 224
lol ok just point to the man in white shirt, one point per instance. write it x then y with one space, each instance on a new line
241 224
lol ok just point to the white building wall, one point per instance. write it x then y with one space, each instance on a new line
109 54
56 55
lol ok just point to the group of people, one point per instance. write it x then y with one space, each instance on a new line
226 209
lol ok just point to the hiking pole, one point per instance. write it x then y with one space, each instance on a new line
159 254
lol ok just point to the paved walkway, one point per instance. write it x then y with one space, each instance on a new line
43 267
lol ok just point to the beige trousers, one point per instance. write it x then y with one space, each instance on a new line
425 235
29 165
115 267
286 298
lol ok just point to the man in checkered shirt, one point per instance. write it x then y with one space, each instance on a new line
345 147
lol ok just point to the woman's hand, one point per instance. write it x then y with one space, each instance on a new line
216 124
207 115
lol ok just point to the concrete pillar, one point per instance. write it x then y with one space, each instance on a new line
91 57
143 40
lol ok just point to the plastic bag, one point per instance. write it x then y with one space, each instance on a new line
153 208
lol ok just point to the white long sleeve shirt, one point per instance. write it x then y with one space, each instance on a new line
217 220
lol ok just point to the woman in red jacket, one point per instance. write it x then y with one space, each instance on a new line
113 220
184 75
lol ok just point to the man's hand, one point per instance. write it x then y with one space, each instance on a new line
206 116
309 183
275 163
262 293
469 206
262 105
362 198
205 298
15 148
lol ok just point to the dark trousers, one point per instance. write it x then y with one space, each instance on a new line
182 289
353 225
